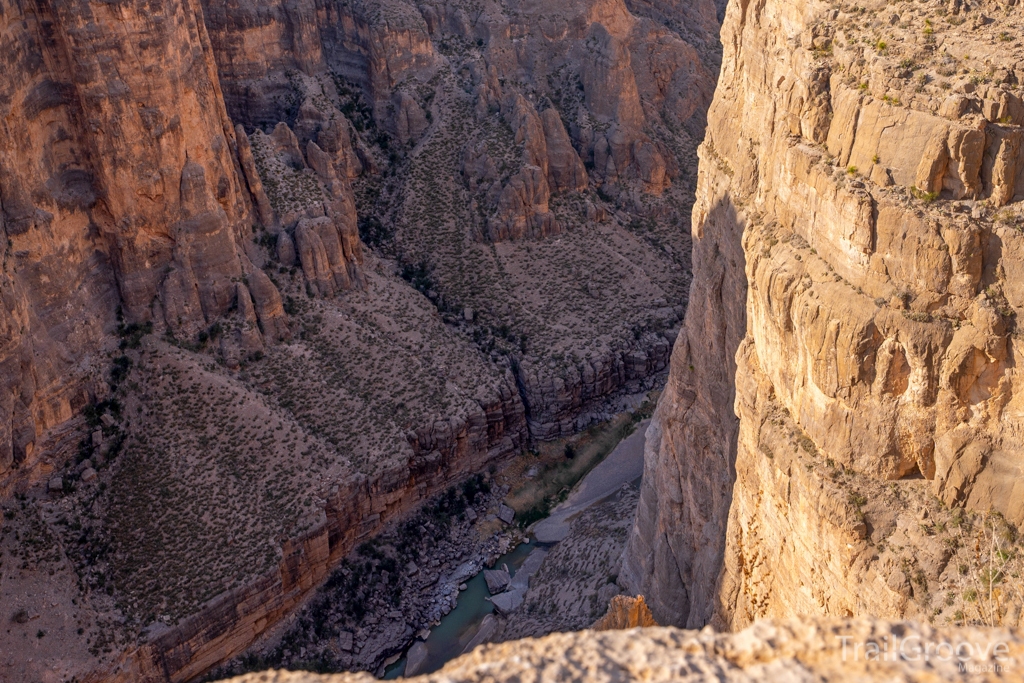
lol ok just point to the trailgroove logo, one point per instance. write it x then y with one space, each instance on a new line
970 656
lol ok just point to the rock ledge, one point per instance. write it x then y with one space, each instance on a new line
804 650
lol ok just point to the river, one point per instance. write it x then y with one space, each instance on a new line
448 639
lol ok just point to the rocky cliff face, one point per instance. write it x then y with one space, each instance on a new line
119 189
844 393
147 187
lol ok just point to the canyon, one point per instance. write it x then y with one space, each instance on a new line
274 277
280 280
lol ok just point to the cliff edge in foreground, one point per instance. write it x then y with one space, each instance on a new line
806 650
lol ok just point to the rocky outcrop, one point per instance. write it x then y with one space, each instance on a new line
550 164
522 210
846 353
565 169
768 651
689 447
625 612
312 196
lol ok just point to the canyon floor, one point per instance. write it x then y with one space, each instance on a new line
397 586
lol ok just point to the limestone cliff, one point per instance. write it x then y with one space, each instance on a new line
505 124
844 393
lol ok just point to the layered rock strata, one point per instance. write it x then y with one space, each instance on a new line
201 173
844 393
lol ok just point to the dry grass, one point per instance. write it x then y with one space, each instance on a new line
990 571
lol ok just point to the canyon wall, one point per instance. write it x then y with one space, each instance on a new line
845 389
206 173
354 510
596 93
139 180
119 192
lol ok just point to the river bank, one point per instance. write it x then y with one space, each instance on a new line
623 465
401 589
563 580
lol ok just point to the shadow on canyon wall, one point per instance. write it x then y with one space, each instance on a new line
690 456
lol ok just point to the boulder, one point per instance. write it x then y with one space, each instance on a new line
88 474
508 602
506 514
488 627
497 580
415 658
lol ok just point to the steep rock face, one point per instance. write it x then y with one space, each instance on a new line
118 187
174 134
374 45
674 554
850 325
